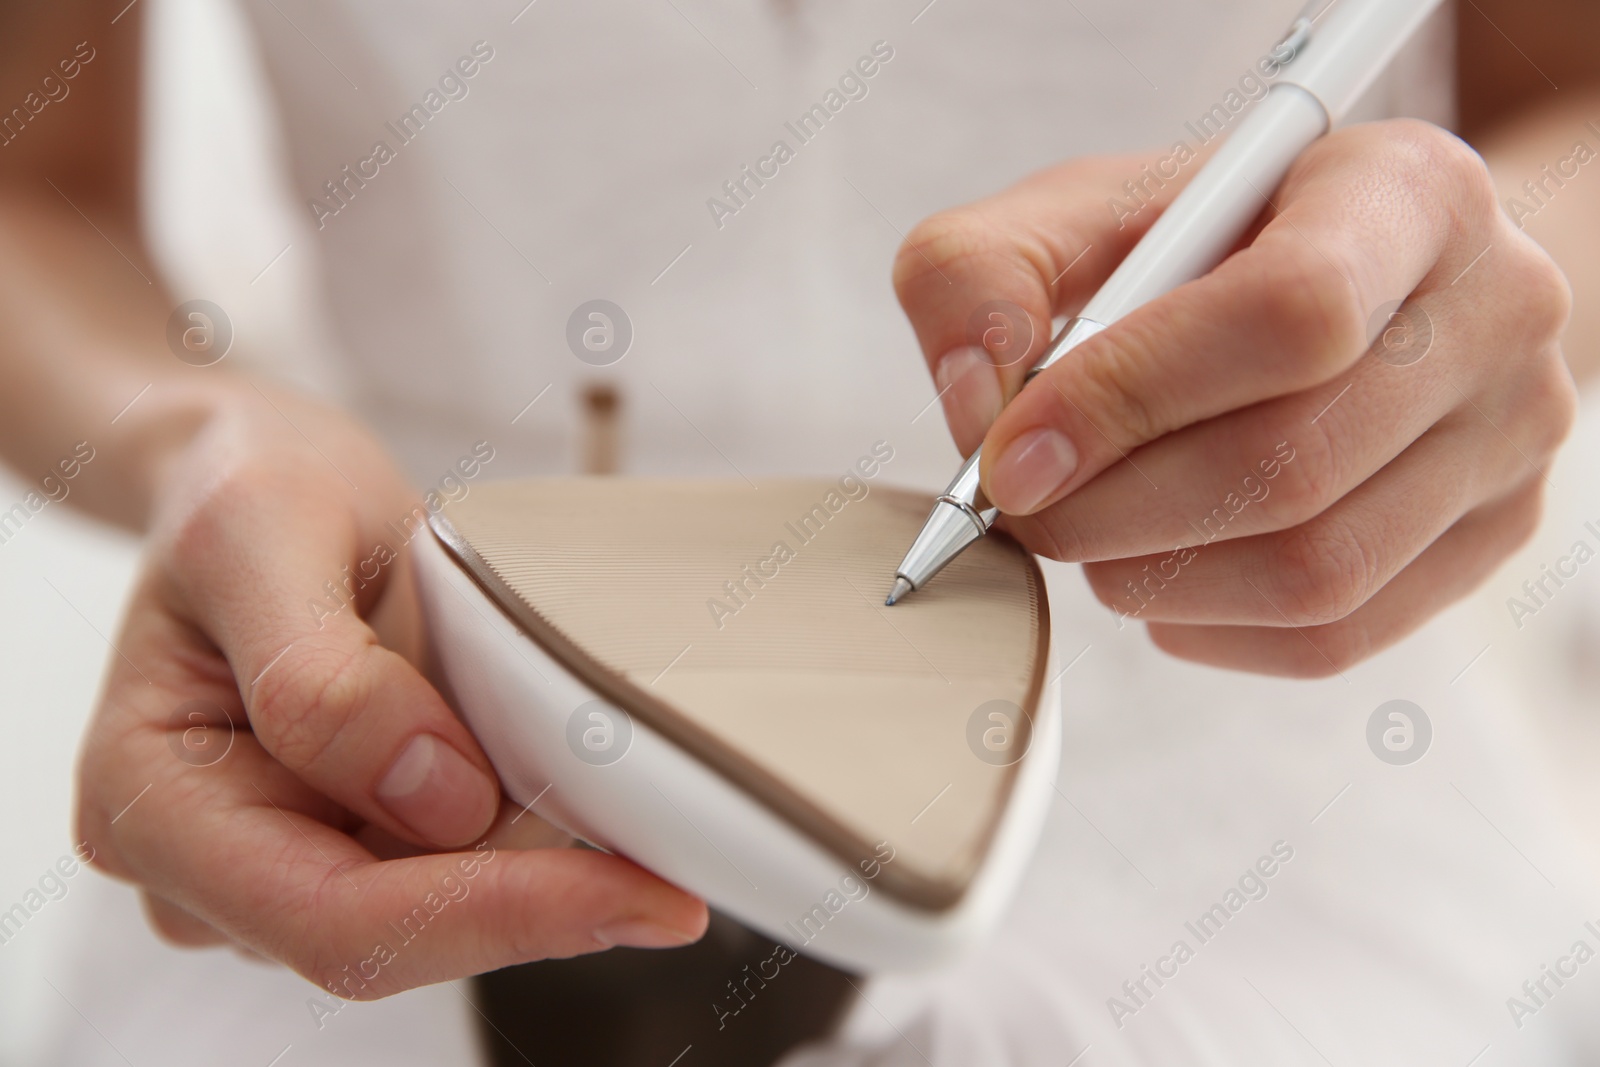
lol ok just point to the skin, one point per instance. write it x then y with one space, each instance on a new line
292 846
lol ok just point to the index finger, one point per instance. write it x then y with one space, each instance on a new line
981 283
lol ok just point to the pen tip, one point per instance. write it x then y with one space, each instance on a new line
901 588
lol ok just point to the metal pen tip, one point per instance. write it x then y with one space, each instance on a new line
901 588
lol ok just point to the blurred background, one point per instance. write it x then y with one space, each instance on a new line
63 582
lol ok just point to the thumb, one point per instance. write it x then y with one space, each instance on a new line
982 283
351 718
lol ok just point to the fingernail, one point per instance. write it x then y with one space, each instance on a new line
969 387
436 792
1031 469
637 933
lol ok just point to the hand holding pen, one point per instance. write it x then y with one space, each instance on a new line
1290 461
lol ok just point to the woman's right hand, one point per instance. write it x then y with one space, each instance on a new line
283 777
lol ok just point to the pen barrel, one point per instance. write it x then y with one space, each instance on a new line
1351 44
1208 217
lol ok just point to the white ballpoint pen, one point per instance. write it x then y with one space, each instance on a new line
1331 54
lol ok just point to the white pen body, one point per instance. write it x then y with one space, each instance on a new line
1350 45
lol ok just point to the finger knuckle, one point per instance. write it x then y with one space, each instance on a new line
93 820
1322 572
1541 292
95 847
937 242
299 708
1536 407
168 931
1306 304
1427 155
175 926
340 979
1113 395
1523 512
1553 403
1308 483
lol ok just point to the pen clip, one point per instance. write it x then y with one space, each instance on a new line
1285 51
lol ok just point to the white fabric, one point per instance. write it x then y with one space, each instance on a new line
577 167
